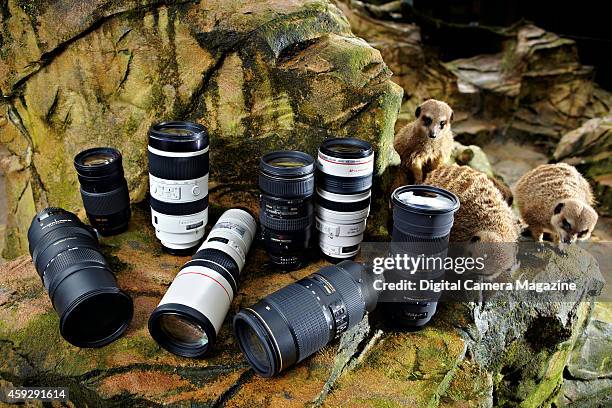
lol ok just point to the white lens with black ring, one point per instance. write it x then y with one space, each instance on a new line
341 221
192 311
345 165
178 181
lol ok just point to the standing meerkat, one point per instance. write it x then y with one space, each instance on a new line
427 142
556 199
484 220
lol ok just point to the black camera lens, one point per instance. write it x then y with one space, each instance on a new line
286 212
422 219
298 320
345 168
103 189
178 181
93 310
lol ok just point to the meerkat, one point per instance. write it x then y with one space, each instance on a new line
484 220
556 199
425 144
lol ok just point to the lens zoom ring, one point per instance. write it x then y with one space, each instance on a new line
305 317
178 168
106 203
285 225
69 258
220 258
54 236
189 208
287 188
344 185
349 291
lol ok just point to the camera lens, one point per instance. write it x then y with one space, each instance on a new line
178 180
345 167
422 219
286 181
190 314
298 320
93 310
103 189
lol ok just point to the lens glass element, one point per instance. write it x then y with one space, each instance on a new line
182 330
425 200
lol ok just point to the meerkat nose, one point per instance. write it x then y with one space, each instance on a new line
432 134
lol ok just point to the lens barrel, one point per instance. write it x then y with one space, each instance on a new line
190 314
296 321
178 181
103 189
422 219
286 212
345 167
93 311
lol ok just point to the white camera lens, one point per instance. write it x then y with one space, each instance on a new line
190 314
178 181
345 169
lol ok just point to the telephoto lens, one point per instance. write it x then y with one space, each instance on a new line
296 321
286 213
190 314
103 189
422 219
345 168
178 181
93 311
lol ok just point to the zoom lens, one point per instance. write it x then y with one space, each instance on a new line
178 180
103 189
286 181
189 316
422 219
296 321
93 311
345 167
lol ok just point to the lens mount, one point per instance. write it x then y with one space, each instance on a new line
178 136
181 316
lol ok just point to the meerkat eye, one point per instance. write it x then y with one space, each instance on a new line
566 225
426 120
442 124
583 233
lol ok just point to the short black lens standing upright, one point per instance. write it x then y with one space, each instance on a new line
83 290
422 219
286 181
104 189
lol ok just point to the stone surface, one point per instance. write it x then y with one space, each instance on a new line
261 75
471 355
589 148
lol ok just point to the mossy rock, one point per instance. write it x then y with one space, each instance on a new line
469 355
259 75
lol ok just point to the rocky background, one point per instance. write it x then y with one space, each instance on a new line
267 74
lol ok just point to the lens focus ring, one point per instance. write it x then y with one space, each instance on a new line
287 188
106 203
303 312
178 168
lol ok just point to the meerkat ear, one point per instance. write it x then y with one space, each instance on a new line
417 112
452 116
558 208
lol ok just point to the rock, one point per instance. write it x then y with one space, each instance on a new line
261 75
499 350
589 148
472 156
